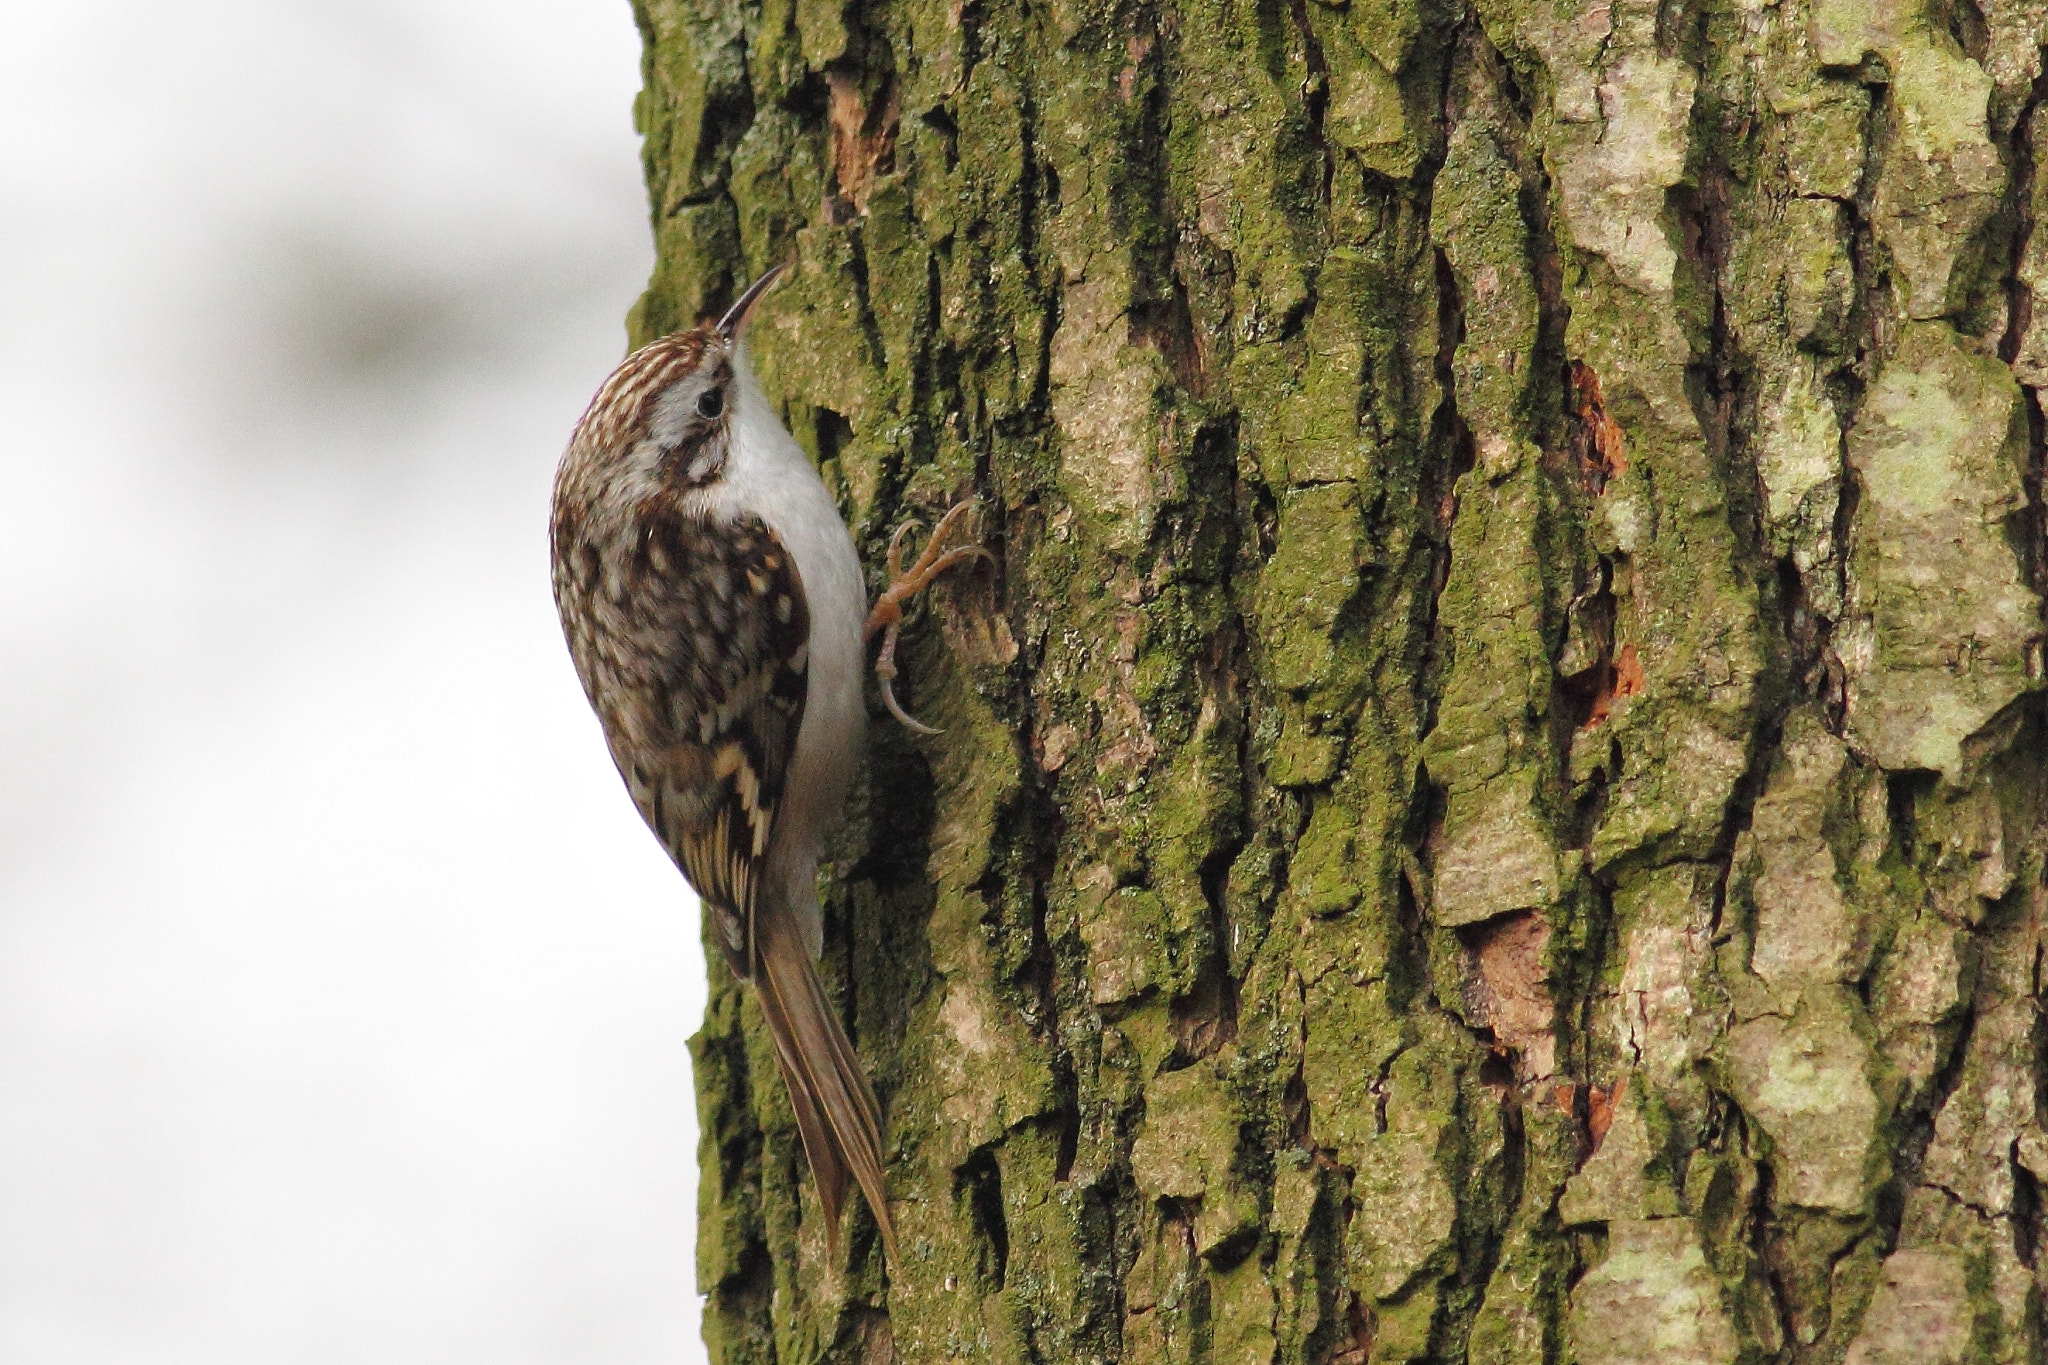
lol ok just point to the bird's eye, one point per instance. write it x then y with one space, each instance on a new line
710 403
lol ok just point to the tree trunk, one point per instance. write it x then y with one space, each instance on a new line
1495 806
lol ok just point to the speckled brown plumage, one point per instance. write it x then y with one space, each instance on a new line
695 659
620 408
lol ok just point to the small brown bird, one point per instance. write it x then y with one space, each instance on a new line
716 613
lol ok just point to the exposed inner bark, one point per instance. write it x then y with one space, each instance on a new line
1495 809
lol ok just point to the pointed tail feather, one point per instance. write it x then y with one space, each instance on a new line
828 1168
835 1108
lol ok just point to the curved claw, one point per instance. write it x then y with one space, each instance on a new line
887 615
885 675
903 717
895 560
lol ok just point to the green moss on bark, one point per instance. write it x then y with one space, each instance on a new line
1492 809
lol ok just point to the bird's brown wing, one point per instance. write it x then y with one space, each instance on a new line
696 658
725 639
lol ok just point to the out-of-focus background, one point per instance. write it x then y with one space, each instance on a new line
343 1000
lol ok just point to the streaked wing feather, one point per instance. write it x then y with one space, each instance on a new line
713 619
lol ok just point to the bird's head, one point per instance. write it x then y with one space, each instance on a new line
664 419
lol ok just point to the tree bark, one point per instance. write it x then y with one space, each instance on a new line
1494 807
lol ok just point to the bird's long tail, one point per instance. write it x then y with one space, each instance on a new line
835 1107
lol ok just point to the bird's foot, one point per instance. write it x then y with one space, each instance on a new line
904 584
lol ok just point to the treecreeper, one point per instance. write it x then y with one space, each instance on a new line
718 618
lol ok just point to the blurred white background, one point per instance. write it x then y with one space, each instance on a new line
343 999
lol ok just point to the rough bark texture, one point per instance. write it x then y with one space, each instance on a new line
1495 806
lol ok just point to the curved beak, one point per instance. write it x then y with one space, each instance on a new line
743 307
